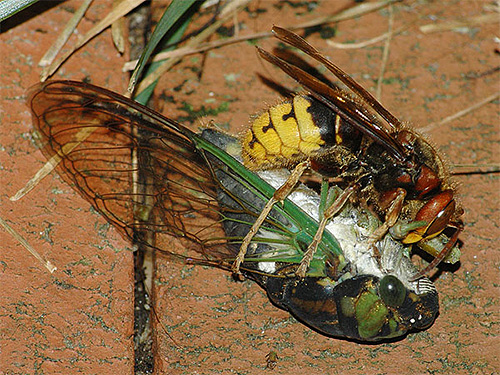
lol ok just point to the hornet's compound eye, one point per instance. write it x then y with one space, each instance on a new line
392 291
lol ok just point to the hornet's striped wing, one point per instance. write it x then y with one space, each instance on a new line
358 113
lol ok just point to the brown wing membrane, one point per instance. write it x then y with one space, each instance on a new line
140 170
298 42
348 109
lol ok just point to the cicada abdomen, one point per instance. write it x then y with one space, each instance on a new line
346 292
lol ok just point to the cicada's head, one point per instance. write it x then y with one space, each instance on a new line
364 307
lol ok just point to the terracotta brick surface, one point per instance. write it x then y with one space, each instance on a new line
79 319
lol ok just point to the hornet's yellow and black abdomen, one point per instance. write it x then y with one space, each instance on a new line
289 133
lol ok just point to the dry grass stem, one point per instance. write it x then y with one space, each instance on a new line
226 13
52 163
122 9
451 25
28 247
385 55
118 31
70 27
353 12
461 113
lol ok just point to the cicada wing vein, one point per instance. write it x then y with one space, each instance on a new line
176 189
189 188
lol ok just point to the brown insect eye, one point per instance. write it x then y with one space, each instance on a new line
427 181
438 212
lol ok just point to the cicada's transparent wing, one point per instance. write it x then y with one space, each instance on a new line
147 174
139 170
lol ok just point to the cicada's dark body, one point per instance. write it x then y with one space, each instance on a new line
148 175
346 294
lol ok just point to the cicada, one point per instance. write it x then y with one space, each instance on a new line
352 137
149 175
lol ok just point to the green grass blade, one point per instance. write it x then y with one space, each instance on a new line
144 96
169 19
10 7
308 225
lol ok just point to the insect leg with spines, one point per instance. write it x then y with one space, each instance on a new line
331 208
278 196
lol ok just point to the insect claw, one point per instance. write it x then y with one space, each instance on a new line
329 212
238 276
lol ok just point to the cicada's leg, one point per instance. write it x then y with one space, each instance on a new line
329 212
278 196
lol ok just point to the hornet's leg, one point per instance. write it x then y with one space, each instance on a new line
278 196
391 217
441 256
329 212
